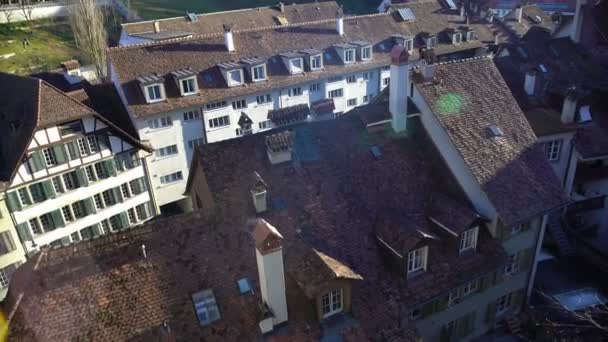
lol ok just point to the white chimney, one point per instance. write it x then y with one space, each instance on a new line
496 37
156 26
399 87
228 39
269 257
519 12
462 11
575 31
340 25
569 108
259 193
282 7
530 83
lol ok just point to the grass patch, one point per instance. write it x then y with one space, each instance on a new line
51 42
153 9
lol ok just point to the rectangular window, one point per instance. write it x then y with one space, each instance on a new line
366 53
315 87
366 76
553 149
105 226
332 302
416 259
166 151
431 42
124 189
264 124
108 197
79 209
366 98
261 99
503 304
69 128
57 184
164 121
219 122
259 73
24 196
137 186
6 274
49 157
75 237
192 115
188 86
115 223
101 171
90 172
469 288
83 147
351 102
194 143
335 93
295 65
513 264
234 77
37 192
69 180
238 132
315 62
386 81
409 44
131 215
297 91
98 201
349 55
154 93
216 105
67 214
171 178
87 233
143 211
46 221
468 241
7 244
35 226
457 38
239 104
351 79
93 147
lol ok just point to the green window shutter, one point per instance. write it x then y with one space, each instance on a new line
118 194
96 230
142 184
103 141
48 188
24 232
58 221
110 167
73 151
37 161
124 220
60 154
89 206
119 160
81 176
13 202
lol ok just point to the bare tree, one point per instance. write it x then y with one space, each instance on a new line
87 22
27 10
8 15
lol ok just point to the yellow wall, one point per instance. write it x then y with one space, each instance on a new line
6 224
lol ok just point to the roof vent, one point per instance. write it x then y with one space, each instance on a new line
495 131
279 146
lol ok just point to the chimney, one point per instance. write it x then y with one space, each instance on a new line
491 18
427 67
467 20
519 12
569 108
496 35
575 31
530 83
399 87
156 26
340 25
228 39
259 193
282 7
143 251
279 147
462 11
269 257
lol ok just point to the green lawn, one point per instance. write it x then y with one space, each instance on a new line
50 44
153 9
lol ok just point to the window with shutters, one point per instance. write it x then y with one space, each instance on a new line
108 197
49 157
92 142
87 233
131 215
90 172
35 226
136 186
101 171
79 209
57 184
98 201
75 237
70 181
7 244
83 147
416 260
37 193
143 211
332 302
115 224
24 196
67 214
468 240
6 273
124 189
46 222
105 226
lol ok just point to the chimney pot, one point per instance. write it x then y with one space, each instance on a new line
340 25
282 7
399 88
156 26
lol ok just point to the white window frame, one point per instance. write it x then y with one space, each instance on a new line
219 122
553 150
366 76
239 104
172 178
349 56
296 91
266 124
255 70
386 81
191 83
192 144
263 99
192 115
417 260
232 80
366 50
314 87
332 302
157 97
408 44
513 266
457 38
316 62
49 157
161 122
166 151
295 69
93 145
335 93
503 304
351 102
350 79
468 240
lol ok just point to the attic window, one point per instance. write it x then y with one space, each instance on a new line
349 55
495 131
406 14
244 286
314 59
417 260
152 87
186 80
206 307
431 42
468 240
232 72
69 128
256 68
469 35
293 62
457 38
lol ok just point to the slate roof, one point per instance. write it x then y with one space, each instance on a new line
333 196
203 53
469 96
530 16
209 23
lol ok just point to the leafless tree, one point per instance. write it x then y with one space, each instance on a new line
87 22
27 10
8 15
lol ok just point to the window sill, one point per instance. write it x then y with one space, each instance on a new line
165 157
154 130
155 101
217 128
166 185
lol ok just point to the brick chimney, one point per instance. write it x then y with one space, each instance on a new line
427 66
269 257
530 83
569 107
228 39
259 193
399 87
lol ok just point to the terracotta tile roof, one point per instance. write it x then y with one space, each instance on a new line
282 141
288 115
203 53
469 96
208 23
330 198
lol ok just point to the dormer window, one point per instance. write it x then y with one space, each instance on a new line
153 88
349 56
314 59
232 72
430 40
417 260
294 62
468 33
186 81
409 44
405 41
468 240
256 68
346 52
364 50
455 36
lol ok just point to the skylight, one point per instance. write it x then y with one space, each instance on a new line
406 14
495 131
206 307
244 286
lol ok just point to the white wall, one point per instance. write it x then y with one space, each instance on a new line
563 163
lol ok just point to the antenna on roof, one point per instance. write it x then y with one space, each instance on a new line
143 251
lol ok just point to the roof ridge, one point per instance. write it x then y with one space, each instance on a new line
252 29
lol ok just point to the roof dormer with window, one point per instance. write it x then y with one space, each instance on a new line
186 81
417 261
405 41
294 62
346 52
153 88
364 50
428 40
256 68
468 33
454 35
233 73
313 59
